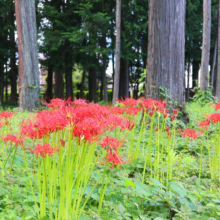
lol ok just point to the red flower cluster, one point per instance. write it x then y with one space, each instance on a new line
12 139
6 115
217 106
111 143
190 133
44 150
215 118
115 159
204 123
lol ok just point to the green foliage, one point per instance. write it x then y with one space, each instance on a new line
203 96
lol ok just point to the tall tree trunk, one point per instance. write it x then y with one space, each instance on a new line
1 82
50 82
104 83
166 65
123 88
13 69
29 81
217 91
117 52
92 84
205 44
214 64
195 74
59 84
69 72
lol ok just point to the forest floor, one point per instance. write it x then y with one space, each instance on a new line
158 171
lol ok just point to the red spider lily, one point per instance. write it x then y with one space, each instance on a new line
12 139
6 115
62 142
111 143
173 117
217 106
79 102
132 110
167 129
156 128
128 102
154 105
169 134
89 129
175 111
117 111
57 103
44 150
127 125
190 133
204 123
45 123
115 159
165 113
215 117
151 113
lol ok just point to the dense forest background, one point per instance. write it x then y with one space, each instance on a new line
77 41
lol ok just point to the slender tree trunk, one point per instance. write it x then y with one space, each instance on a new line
166 55
195 74
59 84
123 88
214 64
1 82
104 73
13 69
50 83
69 72
217 92
188 71
117 52
29 82
205 44
92 84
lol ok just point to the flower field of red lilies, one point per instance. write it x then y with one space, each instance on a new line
136 160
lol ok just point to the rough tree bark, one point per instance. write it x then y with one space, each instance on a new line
29 82
217 91
205 44
117 52
12 65
166 38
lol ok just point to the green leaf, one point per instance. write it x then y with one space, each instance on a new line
121 208
157 183
129 183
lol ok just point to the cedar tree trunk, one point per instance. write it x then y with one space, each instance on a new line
117 52
205 44
29 82
166 49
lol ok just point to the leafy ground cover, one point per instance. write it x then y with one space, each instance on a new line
137 160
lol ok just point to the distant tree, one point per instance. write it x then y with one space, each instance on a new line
166 37
117 52
205 44
29 82
218 57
